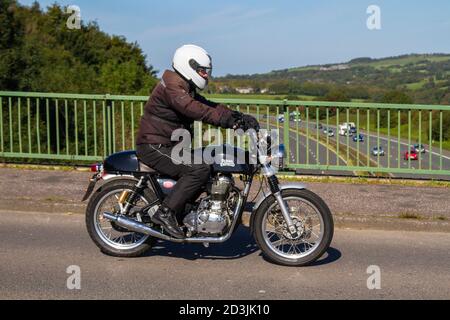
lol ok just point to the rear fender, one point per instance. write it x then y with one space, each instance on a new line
103 179
108 176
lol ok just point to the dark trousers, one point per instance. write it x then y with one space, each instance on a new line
190 177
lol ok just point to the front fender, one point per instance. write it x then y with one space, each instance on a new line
298 186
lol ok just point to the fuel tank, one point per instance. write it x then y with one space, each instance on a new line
230 159
227 159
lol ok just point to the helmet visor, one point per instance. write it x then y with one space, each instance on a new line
204 72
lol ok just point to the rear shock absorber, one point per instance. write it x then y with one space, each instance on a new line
128 199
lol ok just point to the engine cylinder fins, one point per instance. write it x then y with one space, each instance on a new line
220 187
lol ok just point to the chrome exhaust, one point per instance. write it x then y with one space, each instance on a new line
140 227
136 226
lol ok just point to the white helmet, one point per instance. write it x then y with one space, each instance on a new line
194 64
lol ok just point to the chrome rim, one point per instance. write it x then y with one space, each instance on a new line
309 224
121 240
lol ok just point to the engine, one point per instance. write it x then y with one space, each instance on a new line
213 215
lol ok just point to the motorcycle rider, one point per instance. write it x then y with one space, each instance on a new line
175 104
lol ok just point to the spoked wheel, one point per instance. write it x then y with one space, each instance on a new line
110 238
312 219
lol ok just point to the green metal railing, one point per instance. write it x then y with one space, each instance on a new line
77 127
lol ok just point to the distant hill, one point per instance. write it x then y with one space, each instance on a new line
425 78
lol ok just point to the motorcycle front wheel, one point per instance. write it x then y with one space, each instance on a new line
312 219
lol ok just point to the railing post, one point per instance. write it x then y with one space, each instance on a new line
109 125
286 131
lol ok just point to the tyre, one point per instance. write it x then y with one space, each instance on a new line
313 221
110 238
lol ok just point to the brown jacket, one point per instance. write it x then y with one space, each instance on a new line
173 105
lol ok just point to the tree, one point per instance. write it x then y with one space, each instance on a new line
396 97
11 38
392 97
336 95
39 53
436 130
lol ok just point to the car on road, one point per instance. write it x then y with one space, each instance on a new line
378 151
419 148
360 138
281 119
295 116
329 132
413 155
320 126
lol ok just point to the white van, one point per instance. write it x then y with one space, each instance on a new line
345 129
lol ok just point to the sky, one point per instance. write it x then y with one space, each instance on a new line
257 36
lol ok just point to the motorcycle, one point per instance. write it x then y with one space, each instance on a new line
291 225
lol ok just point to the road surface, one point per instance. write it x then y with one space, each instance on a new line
37 249
393 158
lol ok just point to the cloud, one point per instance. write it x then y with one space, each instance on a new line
231 16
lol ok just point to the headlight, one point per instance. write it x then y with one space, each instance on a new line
277 155
281 153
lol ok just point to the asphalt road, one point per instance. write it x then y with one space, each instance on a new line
37 249
393 158
308 151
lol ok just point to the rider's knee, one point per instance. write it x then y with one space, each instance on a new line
202 171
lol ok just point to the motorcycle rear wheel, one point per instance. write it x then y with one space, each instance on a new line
124 243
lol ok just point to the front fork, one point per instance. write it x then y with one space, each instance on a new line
274 185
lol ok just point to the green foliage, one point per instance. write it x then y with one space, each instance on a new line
424 78
436 129
39 53
11 37
336 95
395 96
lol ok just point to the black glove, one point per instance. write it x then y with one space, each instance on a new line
234 121
242 121
250 122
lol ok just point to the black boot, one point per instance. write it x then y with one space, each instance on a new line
166 218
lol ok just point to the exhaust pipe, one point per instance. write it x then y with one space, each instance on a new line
140 227
136 226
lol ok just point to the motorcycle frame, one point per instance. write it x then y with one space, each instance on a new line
146 179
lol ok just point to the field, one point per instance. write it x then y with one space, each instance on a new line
255 96
265 97
402 61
